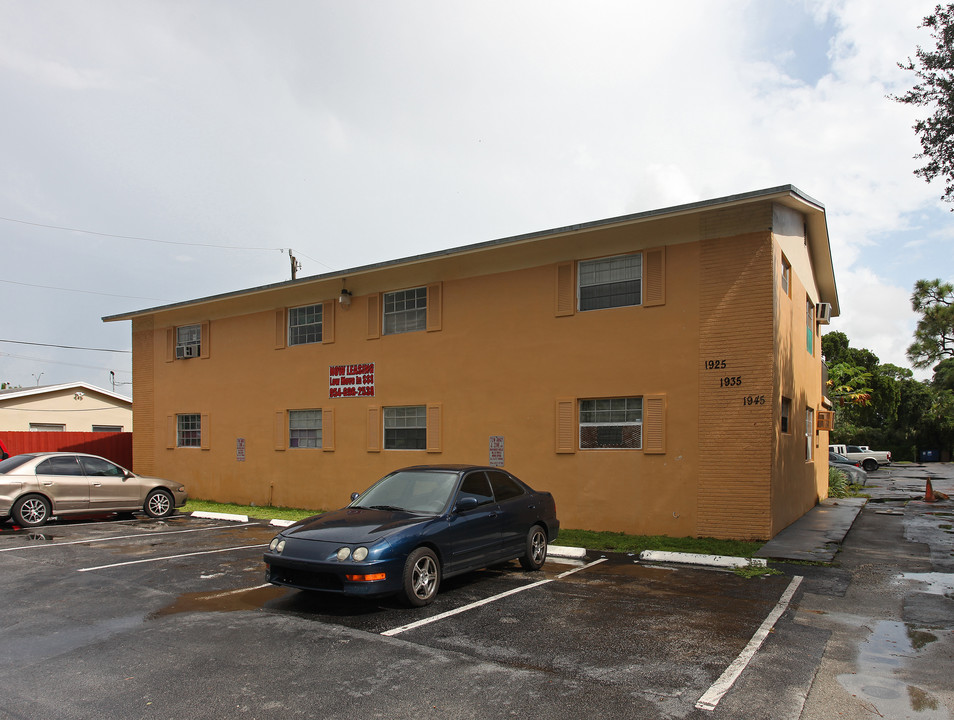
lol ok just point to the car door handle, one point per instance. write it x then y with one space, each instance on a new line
97 484
47 483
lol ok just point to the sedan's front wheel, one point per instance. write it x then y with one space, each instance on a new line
536 553
31 511
422 577
159 504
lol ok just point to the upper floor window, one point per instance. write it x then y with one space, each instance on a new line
786 276
188 341
405 311
304 428
786 415
810 326
611 423
304 325
611 282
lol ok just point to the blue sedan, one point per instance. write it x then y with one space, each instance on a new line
413 528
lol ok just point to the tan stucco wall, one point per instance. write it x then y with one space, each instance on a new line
61 407
499 364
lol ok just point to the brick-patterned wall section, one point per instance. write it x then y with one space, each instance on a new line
736 382
144 396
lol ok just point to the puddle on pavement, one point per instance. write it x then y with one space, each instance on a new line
222 601
937 583
880 659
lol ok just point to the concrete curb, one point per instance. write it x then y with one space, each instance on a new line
725 561
219 516
571 553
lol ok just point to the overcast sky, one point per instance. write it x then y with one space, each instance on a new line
356 132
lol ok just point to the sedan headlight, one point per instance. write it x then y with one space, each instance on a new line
360 554
277 544
343 554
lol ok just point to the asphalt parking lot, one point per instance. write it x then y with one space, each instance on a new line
156 619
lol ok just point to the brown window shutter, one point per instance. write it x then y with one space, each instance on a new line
374 429
171 432
281 329
374 317
328 321
654 424
434 307
434 428
205 339
170 344
328 429
280 423
565 290
566 426
205 432
654 276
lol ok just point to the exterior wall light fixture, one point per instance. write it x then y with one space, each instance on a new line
344 299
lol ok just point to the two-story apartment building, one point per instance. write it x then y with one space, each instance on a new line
658 372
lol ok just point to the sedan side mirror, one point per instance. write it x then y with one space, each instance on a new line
466 503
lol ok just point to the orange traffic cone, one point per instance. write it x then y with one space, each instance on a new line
929 493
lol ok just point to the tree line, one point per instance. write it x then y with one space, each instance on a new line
883 405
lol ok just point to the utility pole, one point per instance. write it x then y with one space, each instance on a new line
295 265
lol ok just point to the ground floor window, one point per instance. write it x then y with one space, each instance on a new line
47 427
189 430
107 428
611 423
304 428
405 428
809 433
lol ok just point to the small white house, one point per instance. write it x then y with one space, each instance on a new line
72 407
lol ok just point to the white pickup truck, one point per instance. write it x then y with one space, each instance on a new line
869 459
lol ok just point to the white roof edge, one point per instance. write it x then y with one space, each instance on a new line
43 389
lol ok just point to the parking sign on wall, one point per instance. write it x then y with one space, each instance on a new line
496 451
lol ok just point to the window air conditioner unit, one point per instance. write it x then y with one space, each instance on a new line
823 313
187 351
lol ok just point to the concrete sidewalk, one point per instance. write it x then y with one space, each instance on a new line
817 535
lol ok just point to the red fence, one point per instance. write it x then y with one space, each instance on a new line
110 445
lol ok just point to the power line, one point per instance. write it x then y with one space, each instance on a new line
135 237
88 292
58 362
65 347
154 240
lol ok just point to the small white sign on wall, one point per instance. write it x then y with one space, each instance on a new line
496 451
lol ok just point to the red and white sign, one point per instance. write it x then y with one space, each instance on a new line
496 451
351 380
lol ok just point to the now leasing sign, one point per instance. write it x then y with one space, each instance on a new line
351 380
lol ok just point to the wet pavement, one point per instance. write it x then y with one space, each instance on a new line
891 649
158 619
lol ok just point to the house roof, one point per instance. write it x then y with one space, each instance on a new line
787 195
75 387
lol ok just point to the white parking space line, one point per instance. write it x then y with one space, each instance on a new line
479 603
725 682
119 537
169 557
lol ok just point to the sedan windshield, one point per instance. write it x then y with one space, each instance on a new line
410 491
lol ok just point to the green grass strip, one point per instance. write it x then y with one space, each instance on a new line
589 539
